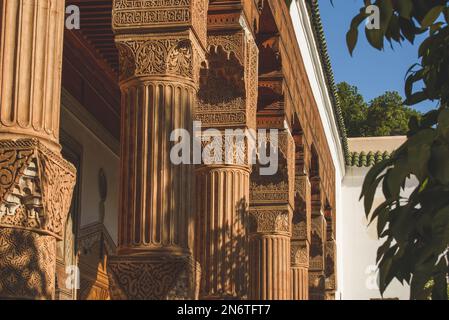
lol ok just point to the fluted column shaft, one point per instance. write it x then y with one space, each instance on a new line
156 203
30 75
36 183
159 80
221 239
270 273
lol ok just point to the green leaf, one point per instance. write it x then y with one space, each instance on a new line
351 39
431 16
375 37
382 221
383 249
419 152
416 98
385 265
372 174
439 163
419 280
380 211
408 29
369 196
397 176
443 124
405 8
440 288
430 119
386 12
424 47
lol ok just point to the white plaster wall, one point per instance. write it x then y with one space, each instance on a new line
96 155
359 243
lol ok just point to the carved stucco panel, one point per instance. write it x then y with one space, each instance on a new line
35 187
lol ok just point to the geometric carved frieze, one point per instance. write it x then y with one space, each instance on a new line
35 187
153 277
266 220
27 264
154 15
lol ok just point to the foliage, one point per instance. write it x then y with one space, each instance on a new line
415 228
354 109
385 115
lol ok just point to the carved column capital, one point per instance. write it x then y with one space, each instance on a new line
157 56
276 221
299 253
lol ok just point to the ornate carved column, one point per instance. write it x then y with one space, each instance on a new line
331 255
272 196
160 47
317 246
301 223
36 183
271 210
227 105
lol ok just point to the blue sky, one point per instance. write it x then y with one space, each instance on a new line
372 71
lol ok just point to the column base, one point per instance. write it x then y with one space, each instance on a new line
153 277
27 265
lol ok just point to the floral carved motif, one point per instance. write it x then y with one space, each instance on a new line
299 254
156 57
266 221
